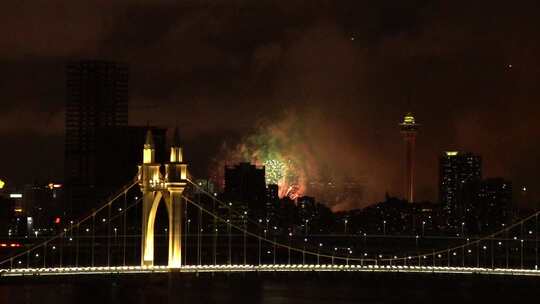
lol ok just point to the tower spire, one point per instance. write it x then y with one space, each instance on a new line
409 128
149 141
176 150
148 150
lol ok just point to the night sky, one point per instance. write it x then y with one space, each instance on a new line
339 73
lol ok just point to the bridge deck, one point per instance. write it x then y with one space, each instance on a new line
262 268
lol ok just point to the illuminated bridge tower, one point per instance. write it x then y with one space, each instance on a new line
409 128
154 187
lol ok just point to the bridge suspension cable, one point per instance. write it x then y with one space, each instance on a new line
259 224
93 240
489 238
274 242
400 257
68 231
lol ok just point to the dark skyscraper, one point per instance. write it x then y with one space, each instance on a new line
488 204
272 201
245 183
409 129
97 98
118 154
456 170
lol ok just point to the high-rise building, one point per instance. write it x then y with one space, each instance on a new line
97 97
118 155
245 183
456 170
306 209
409 129
488 204
272 201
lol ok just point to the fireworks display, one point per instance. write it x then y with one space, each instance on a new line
275 171
277 148
298 156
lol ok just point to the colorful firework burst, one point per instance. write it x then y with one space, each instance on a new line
276 170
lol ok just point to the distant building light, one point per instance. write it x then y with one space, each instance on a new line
15 195
54 186
2 184
18 210
451 153
10 245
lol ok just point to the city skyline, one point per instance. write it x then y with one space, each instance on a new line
373 83
264 151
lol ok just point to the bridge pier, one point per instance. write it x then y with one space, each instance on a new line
175 209
156 187
151 201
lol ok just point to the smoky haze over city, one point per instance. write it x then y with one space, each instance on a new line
269 151
323 84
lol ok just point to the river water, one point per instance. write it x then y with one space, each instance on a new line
335 288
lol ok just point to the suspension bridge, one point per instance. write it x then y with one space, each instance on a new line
206 234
